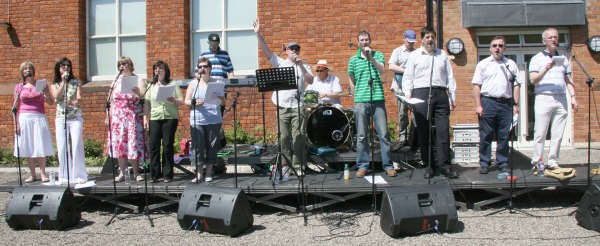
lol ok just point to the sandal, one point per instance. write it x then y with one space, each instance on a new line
45 179
139 178
166 180
119 178
30 179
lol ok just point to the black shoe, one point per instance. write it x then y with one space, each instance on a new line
484 170
449 173
428 173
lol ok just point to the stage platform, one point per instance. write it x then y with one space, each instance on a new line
331 186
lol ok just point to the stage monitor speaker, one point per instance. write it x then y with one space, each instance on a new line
418 209
214 209
42 207
588 212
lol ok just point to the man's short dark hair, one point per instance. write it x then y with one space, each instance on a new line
427 30
499 37
363 33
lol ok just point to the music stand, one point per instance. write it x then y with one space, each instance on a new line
276 79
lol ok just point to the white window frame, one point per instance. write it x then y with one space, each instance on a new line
222 34
141 72
520 51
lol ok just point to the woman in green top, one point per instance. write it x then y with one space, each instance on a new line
162 121
74 124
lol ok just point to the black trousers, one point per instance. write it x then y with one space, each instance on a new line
162 131
440 114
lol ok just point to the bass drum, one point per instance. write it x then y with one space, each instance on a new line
327 126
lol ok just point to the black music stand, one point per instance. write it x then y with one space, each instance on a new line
276 79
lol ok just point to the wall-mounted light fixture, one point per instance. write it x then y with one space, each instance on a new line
594 44
455 46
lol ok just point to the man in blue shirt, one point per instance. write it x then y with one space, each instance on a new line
220 60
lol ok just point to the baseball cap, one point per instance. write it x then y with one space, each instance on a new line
292 44
213 37
411 36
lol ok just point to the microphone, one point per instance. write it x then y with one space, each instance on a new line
118 74
27 75
155 79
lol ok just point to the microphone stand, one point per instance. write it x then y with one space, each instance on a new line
193 102
235 157
371 138
589 82
110 146
429 123
303 160
145 164
65 128
16 122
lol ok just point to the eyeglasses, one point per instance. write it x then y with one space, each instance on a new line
203 66
321 70
498 45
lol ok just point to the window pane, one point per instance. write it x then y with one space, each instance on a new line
135 48
512 39
241 13
487 39
533 38
133 16
207 14
102 57
243 49
200 44
102 17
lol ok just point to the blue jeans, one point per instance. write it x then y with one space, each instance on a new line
362 113
496 118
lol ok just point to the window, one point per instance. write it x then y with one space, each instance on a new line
232 20
115 28
526 38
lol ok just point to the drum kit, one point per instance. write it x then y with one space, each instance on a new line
327 124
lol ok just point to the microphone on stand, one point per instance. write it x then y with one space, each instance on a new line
107 104
155 79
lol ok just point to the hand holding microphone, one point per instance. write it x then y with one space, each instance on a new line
65 76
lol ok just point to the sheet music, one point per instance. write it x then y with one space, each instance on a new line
40 85
127 84
558 60
213 91
378 179
411 101
164 93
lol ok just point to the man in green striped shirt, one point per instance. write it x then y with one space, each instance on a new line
364 71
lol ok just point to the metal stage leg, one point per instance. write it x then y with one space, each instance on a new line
503 195
334 199
266 200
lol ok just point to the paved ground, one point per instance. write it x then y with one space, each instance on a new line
352 223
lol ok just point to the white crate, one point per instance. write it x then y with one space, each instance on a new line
467 139
465 160
466 154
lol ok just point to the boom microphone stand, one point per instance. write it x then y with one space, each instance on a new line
370 131
65 128
15 115
110 146
589 82
145 164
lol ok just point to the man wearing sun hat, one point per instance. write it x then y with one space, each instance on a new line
397 64
327 85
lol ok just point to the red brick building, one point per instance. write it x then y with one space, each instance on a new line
94 33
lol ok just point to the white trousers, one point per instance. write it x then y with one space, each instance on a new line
76 154
549 109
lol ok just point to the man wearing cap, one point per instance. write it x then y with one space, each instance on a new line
292 140
496 95
429 70
397 64
364 71
328 86
220 60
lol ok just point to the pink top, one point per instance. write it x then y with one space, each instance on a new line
30 101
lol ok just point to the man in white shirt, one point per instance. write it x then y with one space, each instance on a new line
397 63
429 69
292 141
496 95
327 85
550 73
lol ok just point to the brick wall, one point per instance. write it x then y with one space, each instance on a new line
44 32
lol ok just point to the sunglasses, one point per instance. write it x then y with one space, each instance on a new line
498 45
321 70
203 66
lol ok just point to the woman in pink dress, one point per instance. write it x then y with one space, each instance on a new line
126 132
